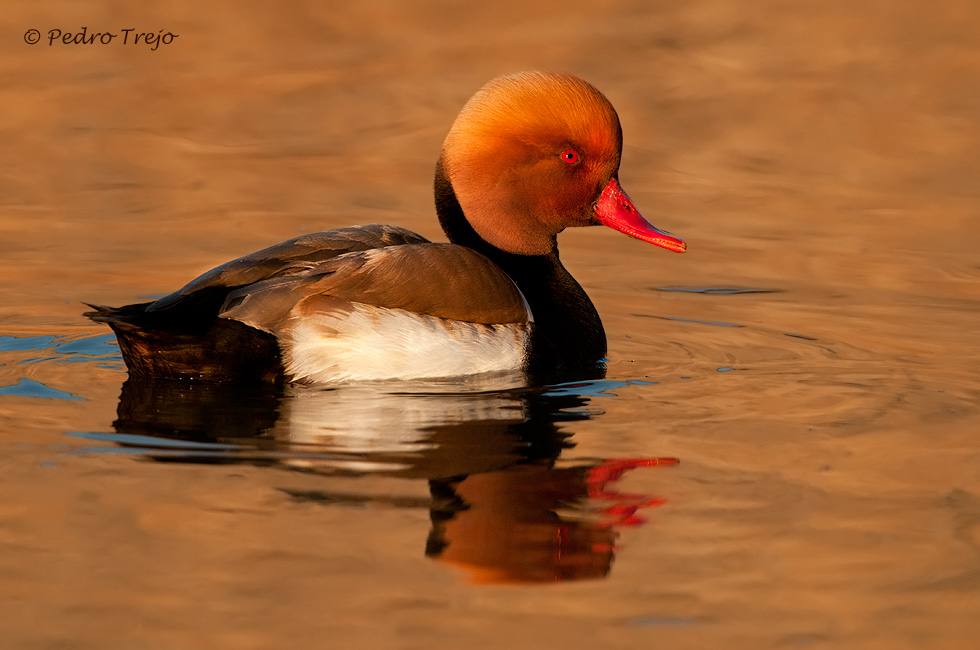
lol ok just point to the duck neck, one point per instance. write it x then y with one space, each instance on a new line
568 334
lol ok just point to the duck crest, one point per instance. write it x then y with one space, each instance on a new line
536 108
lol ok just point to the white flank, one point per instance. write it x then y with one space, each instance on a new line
373 343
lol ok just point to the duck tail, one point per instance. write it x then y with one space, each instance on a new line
106 314
189 341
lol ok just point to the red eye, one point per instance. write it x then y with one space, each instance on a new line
570 156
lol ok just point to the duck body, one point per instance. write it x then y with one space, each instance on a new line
529 155
363 303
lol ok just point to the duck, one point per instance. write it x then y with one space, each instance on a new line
529 155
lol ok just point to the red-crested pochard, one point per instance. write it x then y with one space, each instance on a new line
529 155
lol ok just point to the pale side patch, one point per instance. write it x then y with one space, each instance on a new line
374 343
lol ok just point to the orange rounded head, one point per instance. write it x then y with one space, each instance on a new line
534 153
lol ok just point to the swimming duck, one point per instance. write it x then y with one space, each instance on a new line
529 155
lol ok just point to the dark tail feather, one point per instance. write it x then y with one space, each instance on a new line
189 341
105 314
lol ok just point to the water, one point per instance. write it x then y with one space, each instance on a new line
783 452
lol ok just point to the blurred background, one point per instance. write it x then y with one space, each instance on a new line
849 127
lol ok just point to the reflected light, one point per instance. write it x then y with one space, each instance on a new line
535 524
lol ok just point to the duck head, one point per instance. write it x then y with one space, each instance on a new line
534 153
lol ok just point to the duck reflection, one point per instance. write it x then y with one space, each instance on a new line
533 523
504 506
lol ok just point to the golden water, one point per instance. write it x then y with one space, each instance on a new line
825 155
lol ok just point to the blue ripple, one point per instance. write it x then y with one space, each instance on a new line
31 388
18 343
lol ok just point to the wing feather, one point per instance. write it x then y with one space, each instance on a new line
442 280
293 257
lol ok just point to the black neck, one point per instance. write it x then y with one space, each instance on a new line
568 335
